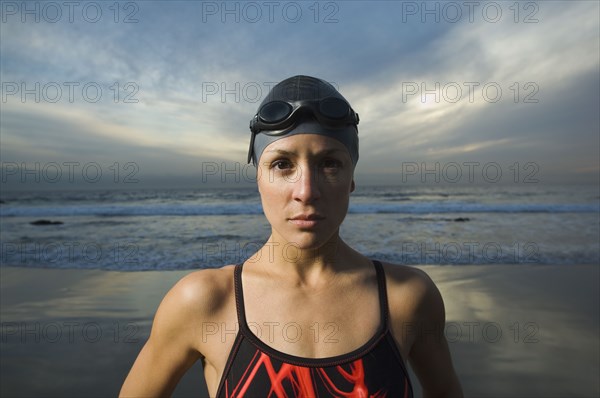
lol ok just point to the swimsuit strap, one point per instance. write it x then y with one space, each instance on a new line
239 295
383 301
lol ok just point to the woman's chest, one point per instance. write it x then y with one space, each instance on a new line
313 327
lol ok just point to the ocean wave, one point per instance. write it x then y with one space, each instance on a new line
250 209
462 207
152 260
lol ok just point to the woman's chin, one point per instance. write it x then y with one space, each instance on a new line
305 240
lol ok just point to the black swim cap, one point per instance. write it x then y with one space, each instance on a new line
331 115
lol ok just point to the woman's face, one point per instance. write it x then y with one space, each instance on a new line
305 182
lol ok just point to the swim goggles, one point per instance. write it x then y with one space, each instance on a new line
275 117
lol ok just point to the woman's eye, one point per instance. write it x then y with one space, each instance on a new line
281 164
331 164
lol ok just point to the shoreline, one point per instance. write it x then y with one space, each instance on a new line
526 330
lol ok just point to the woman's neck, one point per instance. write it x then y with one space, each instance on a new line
311 266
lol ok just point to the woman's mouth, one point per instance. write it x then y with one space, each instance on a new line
307 220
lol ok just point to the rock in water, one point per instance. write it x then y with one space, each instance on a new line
46 222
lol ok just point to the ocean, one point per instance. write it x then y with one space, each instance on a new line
161 229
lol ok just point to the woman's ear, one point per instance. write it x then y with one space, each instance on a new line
352 186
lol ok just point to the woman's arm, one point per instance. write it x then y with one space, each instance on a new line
429 355
172 346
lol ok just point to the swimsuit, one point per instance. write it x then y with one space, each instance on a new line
255 370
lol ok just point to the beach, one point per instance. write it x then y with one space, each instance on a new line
514 330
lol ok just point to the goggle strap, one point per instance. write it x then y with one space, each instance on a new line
251 149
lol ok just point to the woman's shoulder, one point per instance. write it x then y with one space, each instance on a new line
203 293
411 290
398 274
207 287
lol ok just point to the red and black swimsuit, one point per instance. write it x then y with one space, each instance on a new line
256 370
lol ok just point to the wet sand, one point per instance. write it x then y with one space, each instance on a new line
514 330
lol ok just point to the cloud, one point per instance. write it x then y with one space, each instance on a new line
177 56
547 62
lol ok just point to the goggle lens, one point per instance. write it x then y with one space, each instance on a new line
334 108
275 112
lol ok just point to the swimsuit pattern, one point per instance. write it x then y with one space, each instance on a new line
374 370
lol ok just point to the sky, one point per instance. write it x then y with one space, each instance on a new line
160 93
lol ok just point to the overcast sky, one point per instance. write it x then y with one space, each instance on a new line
162 92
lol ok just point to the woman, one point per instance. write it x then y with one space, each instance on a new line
306 315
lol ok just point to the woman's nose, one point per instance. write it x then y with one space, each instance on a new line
306 184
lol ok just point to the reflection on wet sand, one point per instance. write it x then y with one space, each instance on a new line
513 330
523 330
